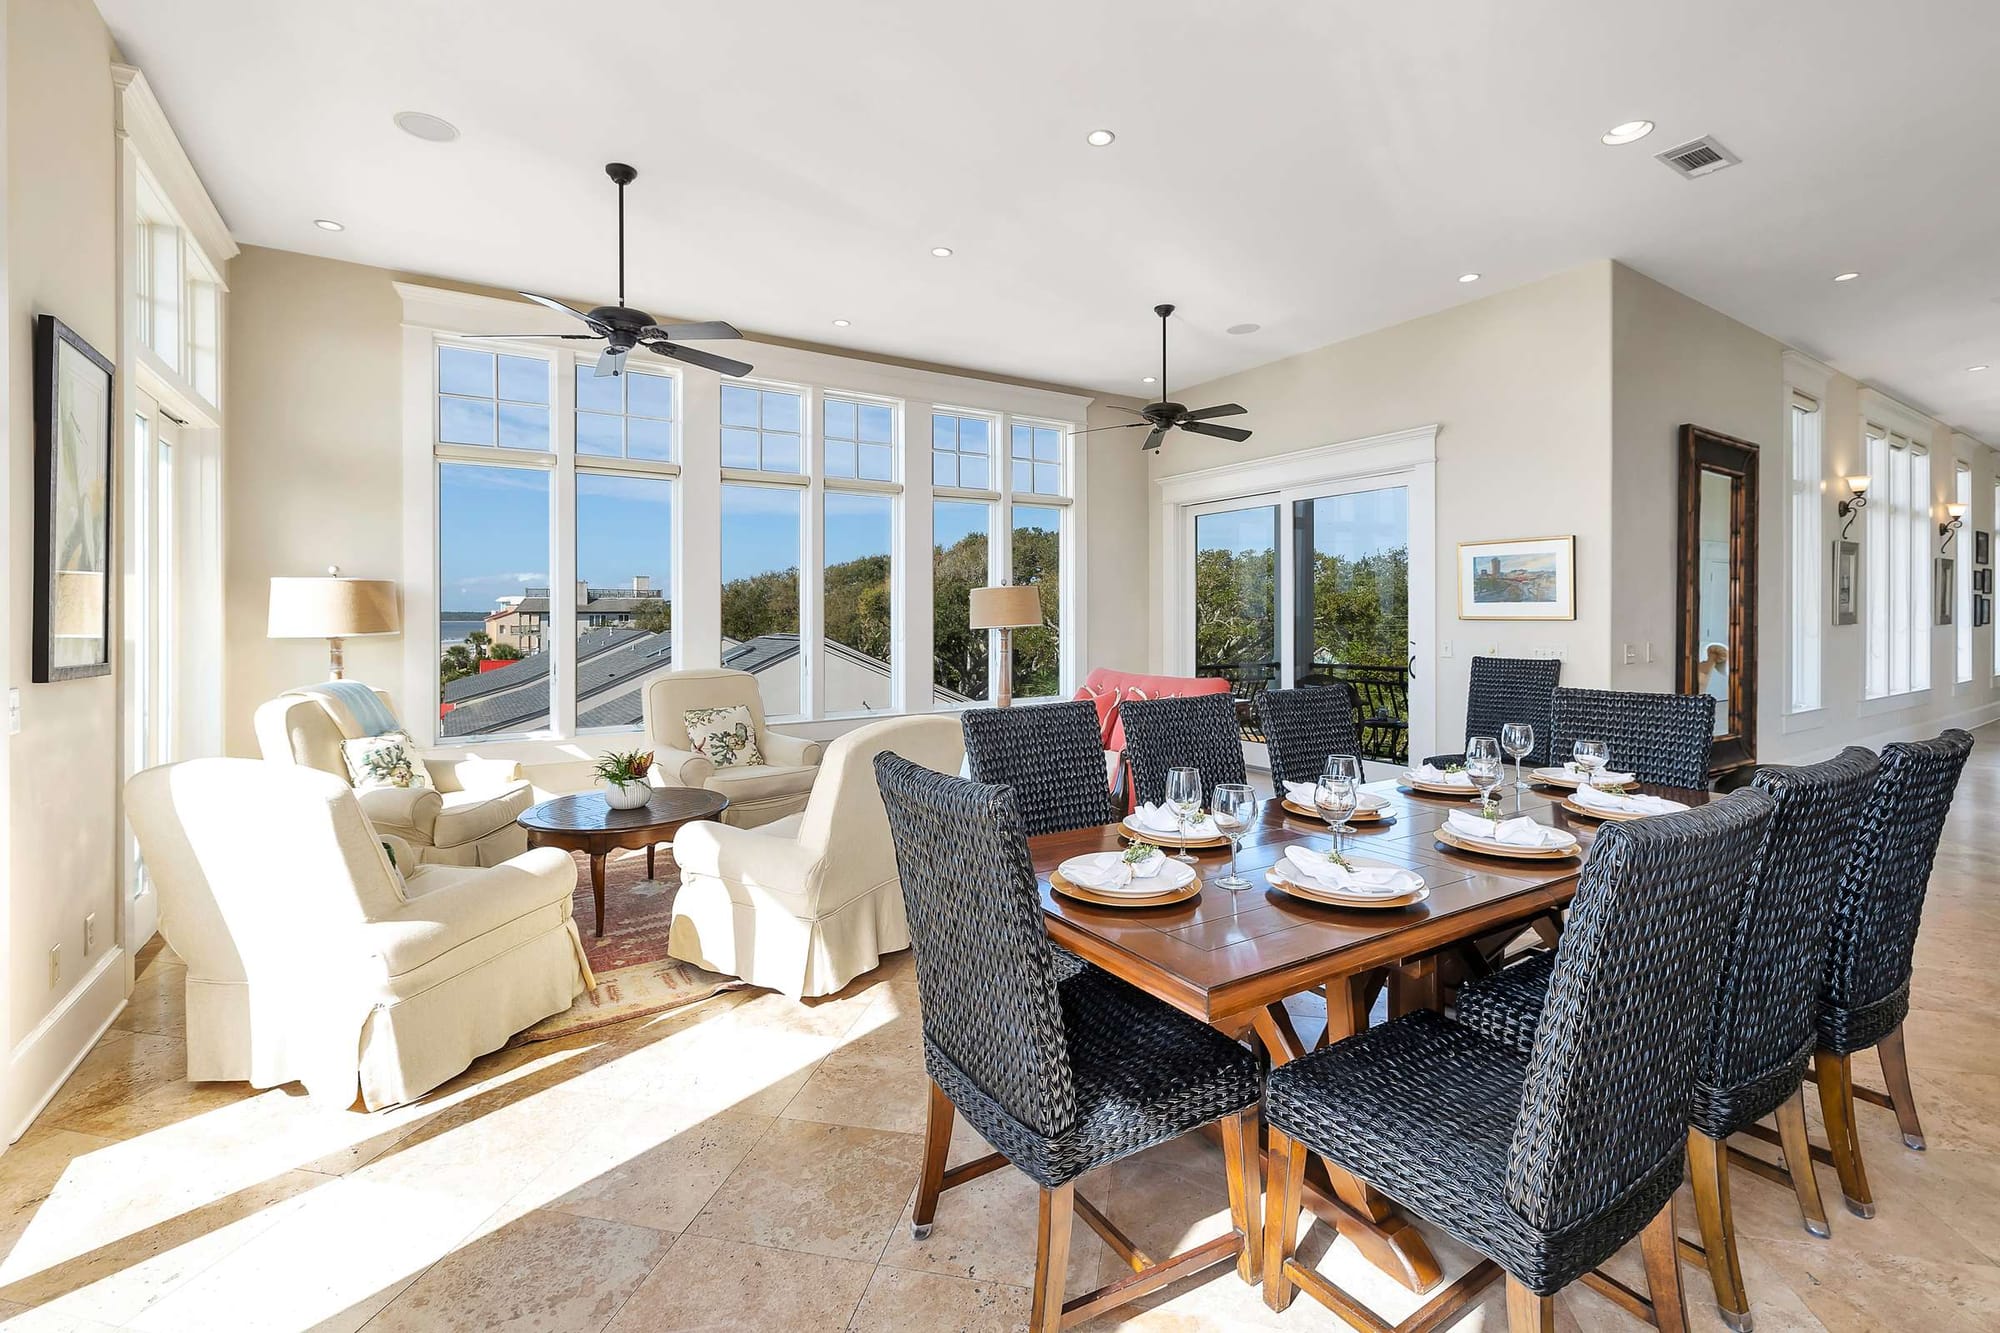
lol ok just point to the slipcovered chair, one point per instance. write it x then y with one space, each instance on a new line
312 959
758 793
465 818
806 903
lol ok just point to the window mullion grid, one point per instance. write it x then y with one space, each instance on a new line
812 555
563 610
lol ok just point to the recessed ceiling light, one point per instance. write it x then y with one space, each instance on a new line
1468 277
328 224
941 251
1100 138
840 323
1976 369
1845 277
1630 132
431 129
1150 379
1244 328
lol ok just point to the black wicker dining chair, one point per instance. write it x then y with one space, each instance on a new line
1303 727
1052 755
1663 738
1872 946
1061 1075
1193 732
1761 1033
1547 1162
1510 689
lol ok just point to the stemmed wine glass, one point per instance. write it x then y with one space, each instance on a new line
1233 807
1483 765
1517 739
1184 796
1591 755
1335 797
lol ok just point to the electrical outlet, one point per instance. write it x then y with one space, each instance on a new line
55 967
13 712
89 933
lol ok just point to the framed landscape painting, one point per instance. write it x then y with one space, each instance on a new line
73 441
1531 578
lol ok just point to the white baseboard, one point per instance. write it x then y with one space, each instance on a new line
47 1056
1830 741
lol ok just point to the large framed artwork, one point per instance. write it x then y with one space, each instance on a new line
1530 578
73 471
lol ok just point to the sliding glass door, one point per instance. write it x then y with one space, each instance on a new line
1236 596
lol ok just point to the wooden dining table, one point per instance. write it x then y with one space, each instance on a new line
1232 959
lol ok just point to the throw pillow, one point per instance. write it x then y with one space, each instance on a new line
388 760
723 736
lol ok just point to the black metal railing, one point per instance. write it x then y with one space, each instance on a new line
1382 705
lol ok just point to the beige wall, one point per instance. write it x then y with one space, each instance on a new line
1519 385
62 834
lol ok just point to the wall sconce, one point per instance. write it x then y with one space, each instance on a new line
1857 499
1955 519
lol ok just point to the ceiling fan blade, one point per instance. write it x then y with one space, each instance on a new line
487 337
722 365
1226 410
611 363
1153 440
554 304
713 330
1122 425
1219 432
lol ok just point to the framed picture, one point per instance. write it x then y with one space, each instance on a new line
1982 547
1982 580
1532 578
73 471
1982 611
1945 588
1846 583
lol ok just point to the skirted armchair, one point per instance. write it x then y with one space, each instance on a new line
466 818
758 793
807 903
312 959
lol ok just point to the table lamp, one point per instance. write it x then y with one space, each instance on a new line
332 608
1006 609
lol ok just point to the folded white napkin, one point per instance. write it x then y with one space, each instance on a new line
1110 870
1611 802
1318 870
1576 774
1521 832
1162 818
1433 776
1301 793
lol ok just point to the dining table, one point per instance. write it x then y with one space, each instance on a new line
1233 959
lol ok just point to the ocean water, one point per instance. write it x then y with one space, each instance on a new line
453 630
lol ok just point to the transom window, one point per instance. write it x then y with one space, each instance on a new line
625 416
1961 591
1807 554
492 398
1037 458
760 428
961 451
1898 590
860 439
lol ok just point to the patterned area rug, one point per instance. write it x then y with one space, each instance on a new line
635 977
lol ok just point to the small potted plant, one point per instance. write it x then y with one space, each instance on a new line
623 778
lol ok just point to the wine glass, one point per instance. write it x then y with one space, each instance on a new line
1590 756
1184 796
1517 739
1233 806
1334 797
1483 765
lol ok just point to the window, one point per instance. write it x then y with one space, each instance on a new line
492 398
857 601
760 429
625 416
624 574
960 562
1037 458
493 592
760 591
1898 588
961 451
179 312
1807 606
860 439
1961 611
1037 560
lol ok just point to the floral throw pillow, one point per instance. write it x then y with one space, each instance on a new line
388 760
723 736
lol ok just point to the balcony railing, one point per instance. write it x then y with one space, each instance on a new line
1381 695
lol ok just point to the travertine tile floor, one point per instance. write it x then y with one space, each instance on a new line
748 1164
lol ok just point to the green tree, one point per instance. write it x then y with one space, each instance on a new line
506 652
958 652
1038 652
655 615
480 642
456 663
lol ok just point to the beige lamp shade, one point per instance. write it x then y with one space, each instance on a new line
1006 608
332 608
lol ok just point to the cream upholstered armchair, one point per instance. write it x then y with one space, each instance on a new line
758 793
311 959
807 903
466 818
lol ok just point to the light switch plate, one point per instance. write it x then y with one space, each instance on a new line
14 712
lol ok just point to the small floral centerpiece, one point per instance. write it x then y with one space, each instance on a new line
622 775
1142 858
1452 768
1489 811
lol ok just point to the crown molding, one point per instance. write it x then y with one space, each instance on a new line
141 120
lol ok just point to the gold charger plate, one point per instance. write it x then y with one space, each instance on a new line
1540 777
1320 898
1187 891
1450 839
1588 813
1132 830
1379 815
1434 789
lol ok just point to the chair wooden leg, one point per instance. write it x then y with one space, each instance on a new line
937 1146
1835 1075
1708 1172
1281 1218
1243 1149
1896 1074
1527 1312
1058 1210
1663 1272
1799 1162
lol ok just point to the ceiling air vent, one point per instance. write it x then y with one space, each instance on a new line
1698 157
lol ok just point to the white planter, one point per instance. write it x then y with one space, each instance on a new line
625 795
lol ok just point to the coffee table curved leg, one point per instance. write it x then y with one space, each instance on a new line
597 888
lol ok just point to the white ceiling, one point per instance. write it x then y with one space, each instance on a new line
1320 168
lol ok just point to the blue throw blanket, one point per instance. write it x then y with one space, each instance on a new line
370 714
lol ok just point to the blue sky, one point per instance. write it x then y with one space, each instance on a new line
1352 525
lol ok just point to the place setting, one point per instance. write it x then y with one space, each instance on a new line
1179 820
1334 879
1521 838
1141 875
1589 766
1338 797
1598 803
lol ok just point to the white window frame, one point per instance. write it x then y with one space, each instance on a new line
1806 551
1899 538
1961 577
434 314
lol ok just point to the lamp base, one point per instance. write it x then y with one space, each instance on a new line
334 662
1006 699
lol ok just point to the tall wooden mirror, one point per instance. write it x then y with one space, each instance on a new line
1717 641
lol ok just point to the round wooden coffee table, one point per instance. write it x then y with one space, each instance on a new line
583 822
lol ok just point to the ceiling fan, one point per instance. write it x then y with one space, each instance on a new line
622 328
1164 416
